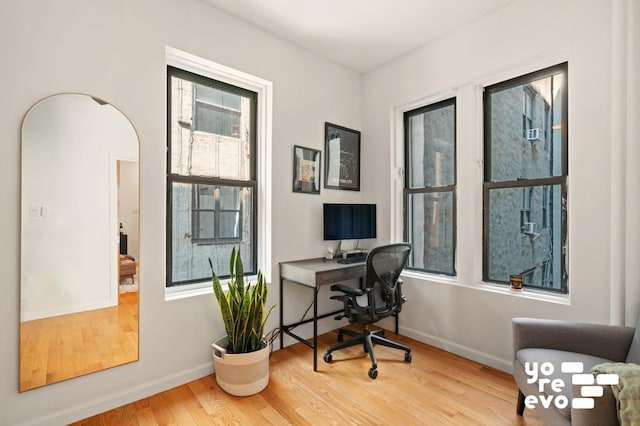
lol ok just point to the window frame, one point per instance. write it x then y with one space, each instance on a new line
546 182
217 211
264 89
407 190
251 268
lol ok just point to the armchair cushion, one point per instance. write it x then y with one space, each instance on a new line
556 358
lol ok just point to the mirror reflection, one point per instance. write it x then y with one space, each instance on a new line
79 240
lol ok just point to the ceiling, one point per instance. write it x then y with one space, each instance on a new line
359 34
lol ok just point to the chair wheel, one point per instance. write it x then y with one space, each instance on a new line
407 356
373 373
340 338
327 358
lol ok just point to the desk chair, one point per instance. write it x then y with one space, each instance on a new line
380 297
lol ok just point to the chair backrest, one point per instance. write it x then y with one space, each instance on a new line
384 265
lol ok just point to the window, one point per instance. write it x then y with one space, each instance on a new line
211 177
526 143
430 187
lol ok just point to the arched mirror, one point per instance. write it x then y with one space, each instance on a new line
79 240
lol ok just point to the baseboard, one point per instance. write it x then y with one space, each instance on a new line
461 350
99 405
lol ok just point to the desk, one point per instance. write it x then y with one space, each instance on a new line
315 273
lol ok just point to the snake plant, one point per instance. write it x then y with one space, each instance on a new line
242 307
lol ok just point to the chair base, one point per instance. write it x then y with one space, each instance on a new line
367 338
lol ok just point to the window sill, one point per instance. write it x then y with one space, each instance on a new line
197 289
189 290
532 294
526 293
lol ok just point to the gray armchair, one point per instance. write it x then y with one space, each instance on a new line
553 341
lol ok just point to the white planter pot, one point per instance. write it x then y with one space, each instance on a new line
240 374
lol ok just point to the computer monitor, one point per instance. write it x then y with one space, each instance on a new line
349 221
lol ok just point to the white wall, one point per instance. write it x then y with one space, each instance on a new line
128 209
461 314
116 51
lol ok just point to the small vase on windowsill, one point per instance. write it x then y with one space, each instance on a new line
516 282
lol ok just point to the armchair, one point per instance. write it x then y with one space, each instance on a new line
553 341
380 297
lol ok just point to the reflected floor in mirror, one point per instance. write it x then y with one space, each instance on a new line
58 348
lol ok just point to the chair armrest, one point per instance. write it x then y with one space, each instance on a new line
605 341
348 290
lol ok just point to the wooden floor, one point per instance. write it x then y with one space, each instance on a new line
79 343
435 388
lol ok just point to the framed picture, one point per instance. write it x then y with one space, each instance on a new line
342 165
306 170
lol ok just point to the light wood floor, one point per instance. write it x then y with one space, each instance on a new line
436 388
79 343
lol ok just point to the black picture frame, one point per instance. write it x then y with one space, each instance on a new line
342 162
306 170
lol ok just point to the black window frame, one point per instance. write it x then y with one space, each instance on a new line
451 188
171 178
561 180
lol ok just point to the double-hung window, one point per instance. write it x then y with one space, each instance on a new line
525 180
211 177
430 187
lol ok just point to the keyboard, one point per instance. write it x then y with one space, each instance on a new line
355 259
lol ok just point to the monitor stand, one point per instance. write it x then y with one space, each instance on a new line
349 248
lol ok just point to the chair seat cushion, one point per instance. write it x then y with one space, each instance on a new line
556 358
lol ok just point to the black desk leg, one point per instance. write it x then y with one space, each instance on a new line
281 316
315 329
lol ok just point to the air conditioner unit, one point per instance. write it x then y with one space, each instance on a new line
529 228
532 134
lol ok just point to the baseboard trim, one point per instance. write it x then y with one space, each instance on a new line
99 405
461 350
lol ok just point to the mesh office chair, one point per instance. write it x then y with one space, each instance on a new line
380 297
